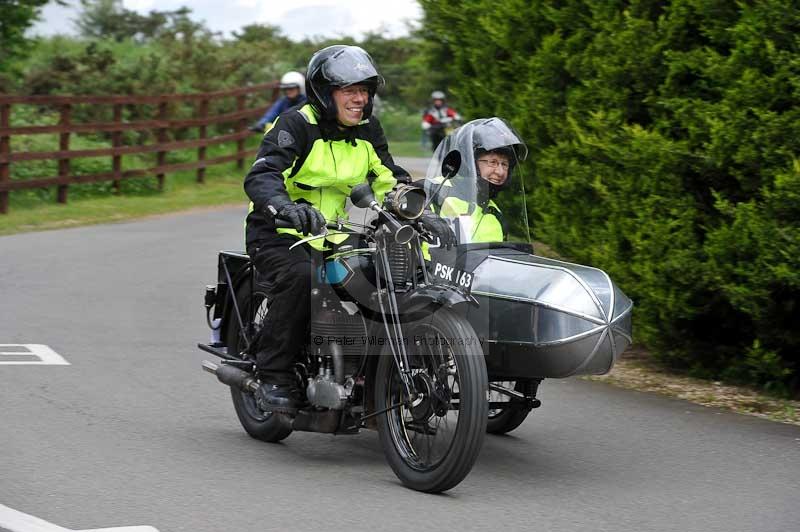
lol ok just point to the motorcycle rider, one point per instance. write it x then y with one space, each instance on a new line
293 85
437 118
491 150
305 168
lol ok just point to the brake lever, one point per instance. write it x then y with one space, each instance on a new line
337 226
432 240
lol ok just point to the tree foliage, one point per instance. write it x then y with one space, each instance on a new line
109 19
16 16
121 51
664 140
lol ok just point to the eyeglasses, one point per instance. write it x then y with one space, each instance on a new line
494 163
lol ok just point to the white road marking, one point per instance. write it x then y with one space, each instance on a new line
30 354
16 521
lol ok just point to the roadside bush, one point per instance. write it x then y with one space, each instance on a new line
664 140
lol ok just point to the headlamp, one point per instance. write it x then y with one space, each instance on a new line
406 201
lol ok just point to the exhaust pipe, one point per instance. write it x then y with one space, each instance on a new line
232 376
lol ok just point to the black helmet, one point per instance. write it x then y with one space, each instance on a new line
340 66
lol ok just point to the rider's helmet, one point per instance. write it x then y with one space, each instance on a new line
292 80
438 95
340 66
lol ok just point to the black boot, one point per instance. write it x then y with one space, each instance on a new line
280 398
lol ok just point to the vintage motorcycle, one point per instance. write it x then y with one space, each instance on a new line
432 347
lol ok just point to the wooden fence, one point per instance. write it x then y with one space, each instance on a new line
161 125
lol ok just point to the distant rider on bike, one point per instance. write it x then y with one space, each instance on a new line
293 85
438 118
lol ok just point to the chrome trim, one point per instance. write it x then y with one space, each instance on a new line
543 305
595 351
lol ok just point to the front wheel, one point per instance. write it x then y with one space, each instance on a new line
261 425
433 444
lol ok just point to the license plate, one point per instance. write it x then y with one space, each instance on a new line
445 274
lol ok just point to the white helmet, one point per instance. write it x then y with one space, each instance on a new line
293 79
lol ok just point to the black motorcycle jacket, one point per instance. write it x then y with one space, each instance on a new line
301 159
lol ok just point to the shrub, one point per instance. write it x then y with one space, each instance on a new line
663 139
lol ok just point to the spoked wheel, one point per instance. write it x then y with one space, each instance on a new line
503 420
260 425
432 443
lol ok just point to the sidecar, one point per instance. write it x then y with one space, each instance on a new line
538 317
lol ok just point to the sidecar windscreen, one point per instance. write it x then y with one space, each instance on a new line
485 200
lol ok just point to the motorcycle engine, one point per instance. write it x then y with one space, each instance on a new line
340 339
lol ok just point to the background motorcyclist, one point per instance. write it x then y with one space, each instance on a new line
491 151
305 168
293 85
438 117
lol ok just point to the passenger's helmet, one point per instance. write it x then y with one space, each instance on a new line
495 135
293 79
340 66
473 140
438 95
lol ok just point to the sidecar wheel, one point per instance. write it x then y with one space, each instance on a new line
260 425
504 420
432 446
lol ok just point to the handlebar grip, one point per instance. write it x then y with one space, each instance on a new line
286 224
283 224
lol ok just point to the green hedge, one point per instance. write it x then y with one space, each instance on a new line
664 143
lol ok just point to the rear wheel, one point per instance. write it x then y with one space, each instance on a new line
503 420
263 426
432 445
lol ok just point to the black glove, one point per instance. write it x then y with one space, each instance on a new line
434 224
305 218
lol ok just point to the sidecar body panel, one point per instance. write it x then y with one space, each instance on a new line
539 317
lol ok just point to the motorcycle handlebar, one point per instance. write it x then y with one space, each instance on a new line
402 233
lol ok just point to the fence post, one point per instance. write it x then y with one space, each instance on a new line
5 151
161 137
240 104
116 142
201 151
63 162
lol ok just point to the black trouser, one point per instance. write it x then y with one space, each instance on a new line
437 136
284 331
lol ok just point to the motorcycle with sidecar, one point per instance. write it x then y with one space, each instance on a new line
433 347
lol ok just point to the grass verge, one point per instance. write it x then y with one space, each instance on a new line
636 370
223 186
409 148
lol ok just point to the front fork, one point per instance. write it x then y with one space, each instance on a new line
393 327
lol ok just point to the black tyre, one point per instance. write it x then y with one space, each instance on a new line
260 425
432 446
504 420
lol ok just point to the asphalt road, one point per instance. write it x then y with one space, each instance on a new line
132 432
